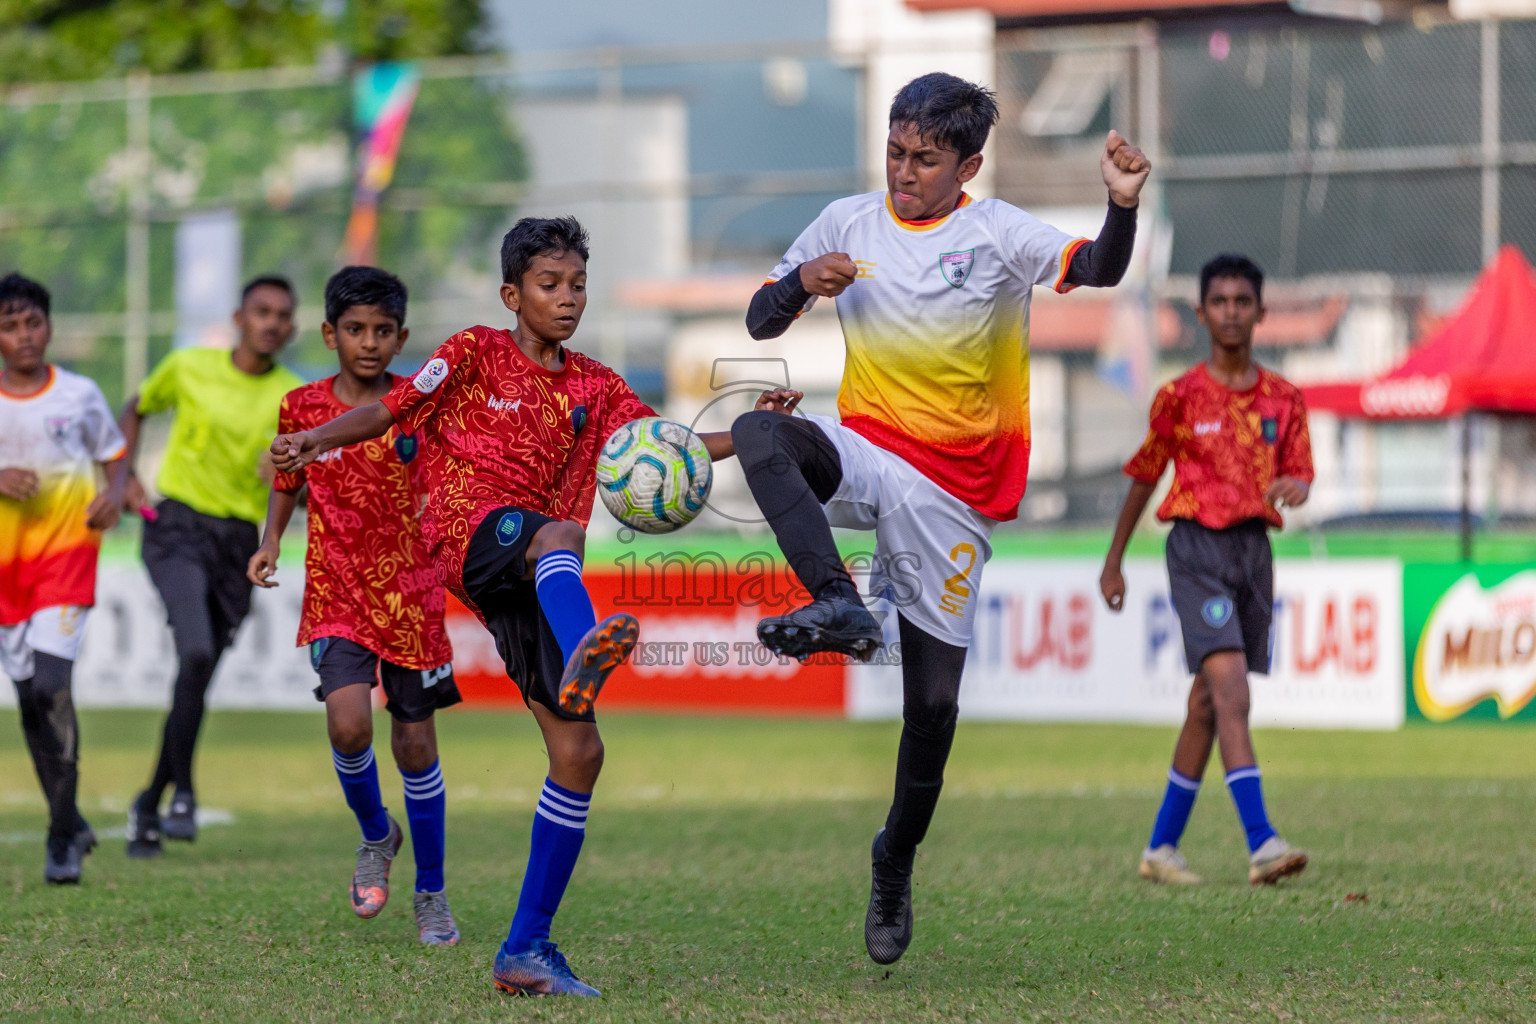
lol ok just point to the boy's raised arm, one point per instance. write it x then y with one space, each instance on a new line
291 452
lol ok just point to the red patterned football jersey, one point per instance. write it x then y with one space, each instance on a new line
499 429
368 576
1227 447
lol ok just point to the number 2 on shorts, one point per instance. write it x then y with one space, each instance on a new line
957 588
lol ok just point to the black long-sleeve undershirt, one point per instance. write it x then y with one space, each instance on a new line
1100 263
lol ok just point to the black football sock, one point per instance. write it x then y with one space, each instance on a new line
792 468
60 735
930 674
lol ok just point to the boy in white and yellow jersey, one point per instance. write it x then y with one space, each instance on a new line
55 431
931 446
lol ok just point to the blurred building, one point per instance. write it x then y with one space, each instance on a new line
1371 156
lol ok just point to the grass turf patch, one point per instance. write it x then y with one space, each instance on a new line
726 870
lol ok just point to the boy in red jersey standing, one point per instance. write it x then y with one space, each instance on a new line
373 603
1237 436
512 424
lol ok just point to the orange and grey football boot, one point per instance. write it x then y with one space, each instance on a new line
370 880
603 649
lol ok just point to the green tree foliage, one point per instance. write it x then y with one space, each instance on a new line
43 40
283 158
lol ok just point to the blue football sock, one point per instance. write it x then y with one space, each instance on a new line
426 804
559 825
360 785
1248 795
563 598
1173 815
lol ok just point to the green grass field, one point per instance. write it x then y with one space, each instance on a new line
726 871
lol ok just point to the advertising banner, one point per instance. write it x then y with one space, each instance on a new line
1470 641
698 650
1046 648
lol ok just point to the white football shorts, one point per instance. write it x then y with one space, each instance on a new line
929 545
56 631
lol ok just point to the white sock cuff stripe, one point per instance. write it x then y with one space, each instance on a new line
1183 781
424 788
558 561
578 805
1238 774
352 764
543 812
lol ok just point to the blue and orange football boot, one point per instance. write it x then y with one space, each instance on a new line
603 649
541 971
370 880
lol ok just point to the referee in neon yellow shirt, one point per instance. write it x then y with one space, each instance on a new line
205 530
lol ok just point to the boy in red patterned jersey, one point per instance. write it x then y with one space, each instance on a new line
373 602
1237 436
512 423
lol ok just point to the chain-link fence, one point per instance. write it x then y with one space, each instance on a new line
1371 169
142 202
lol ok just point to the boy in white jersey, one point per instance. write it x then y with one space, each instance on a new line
931 450
55 427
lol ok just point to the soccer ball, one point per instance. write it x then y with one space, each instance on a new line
654 474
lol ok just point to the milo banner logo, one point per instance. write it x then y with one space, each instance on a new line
1471 634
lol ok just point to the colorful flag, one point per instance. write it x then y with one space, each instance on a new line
382 96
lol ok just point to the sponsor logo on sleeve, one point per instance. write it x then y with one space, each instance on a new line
431 375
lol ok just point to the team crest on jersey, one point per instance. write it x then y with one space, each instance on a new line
58 428
1271 427
406 447
578 418
431 376
956 266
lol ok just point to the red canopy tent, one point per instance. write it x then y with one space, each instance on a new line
1481 359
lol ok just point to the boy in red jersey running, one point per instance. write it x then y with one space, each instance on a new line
373 604
511 425
1237 436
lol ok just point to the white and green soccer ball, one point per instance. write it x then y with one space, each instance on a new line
654 474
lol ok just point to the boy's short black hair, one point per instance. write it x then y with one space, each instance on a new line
539 236
1232 265
364 286
17 293
267 281
950 111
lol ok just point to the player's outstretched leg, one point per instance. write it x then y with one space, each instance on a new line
930 672
592 649
1161 861
528 963
1270 858
426 805
792 469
